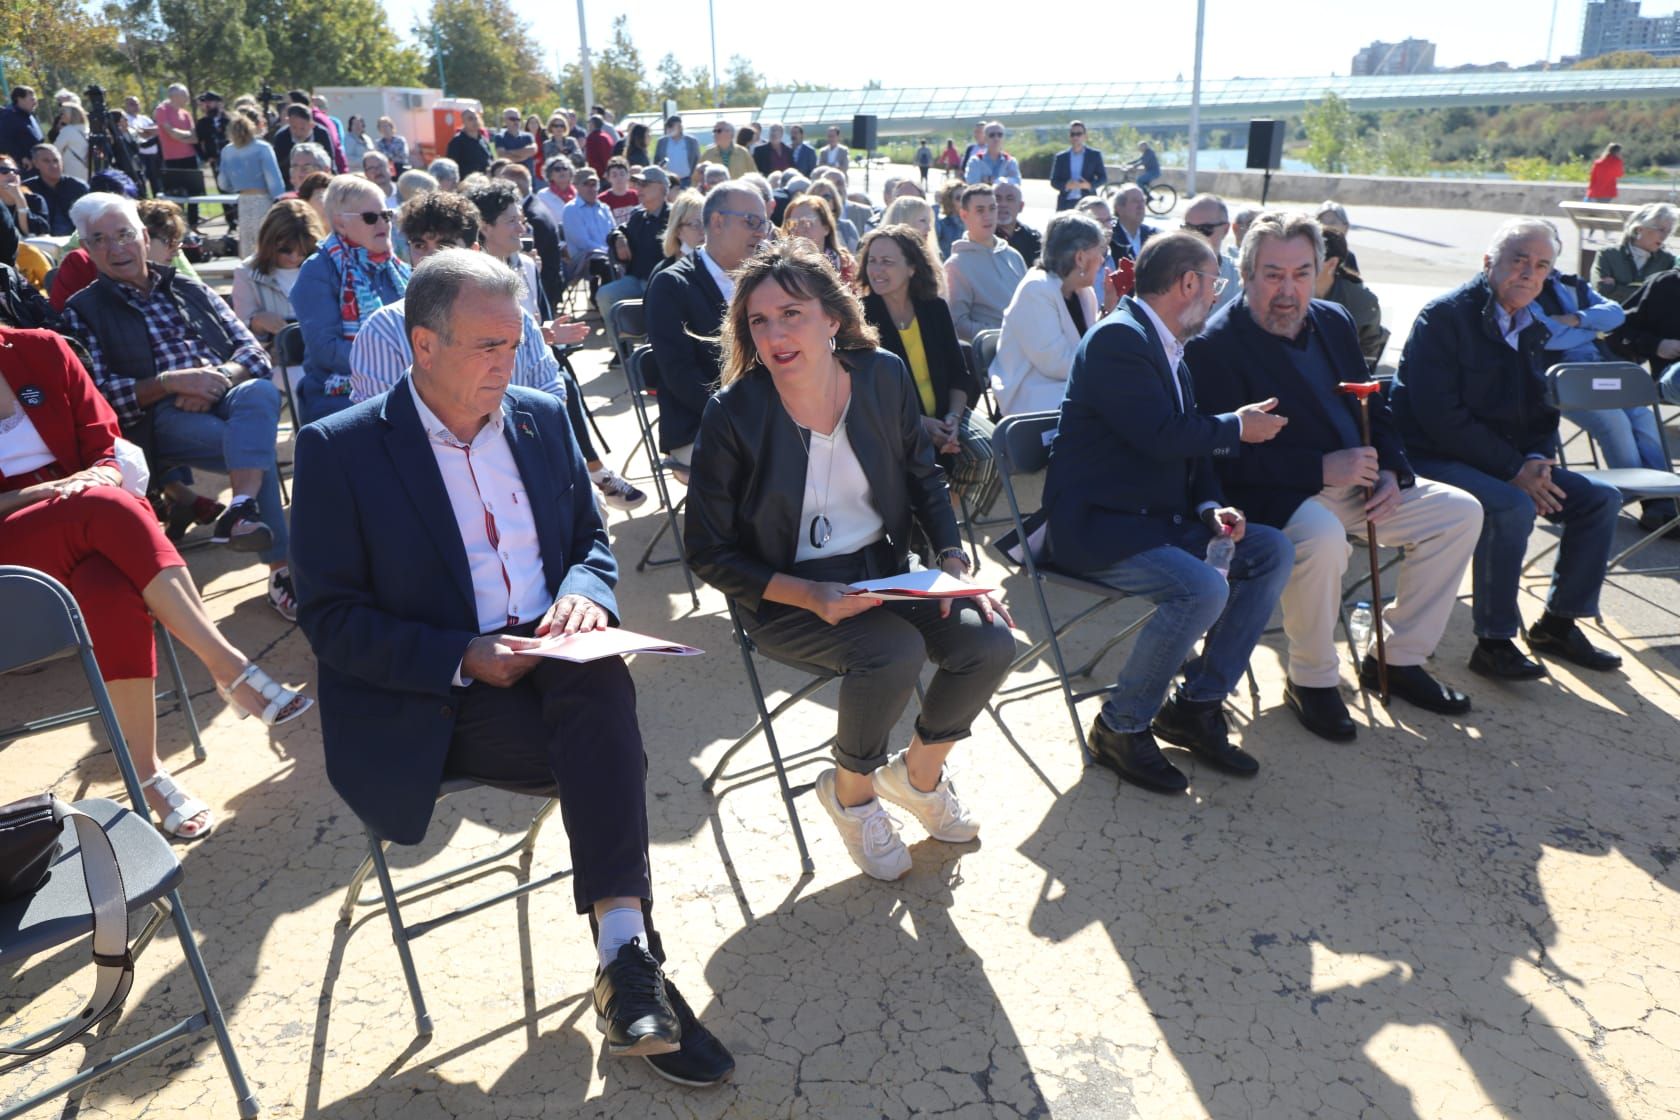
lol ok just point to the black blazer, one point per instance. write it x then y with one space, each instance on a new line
747 483
683 301
1653 316
1234 362
1123 248
1091 170
550 243
946 366
1129 466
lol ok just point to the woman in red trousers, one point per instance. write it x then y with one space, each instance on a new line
63 511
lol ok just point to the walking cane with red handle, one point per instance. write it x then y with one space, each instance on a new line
1363 390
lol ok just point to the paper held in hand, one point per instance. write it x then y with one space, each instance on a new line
592 645
918 585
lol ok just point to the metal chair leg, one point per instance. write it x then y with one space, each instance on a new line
246 1099
537 822
352 896
399 935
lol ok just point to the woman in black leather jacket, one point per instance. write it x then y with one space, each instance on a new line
810 466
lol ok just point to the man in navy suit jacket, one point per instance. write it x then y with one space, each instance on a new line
1130 230
1319 481
1133 501
1071 186
445 527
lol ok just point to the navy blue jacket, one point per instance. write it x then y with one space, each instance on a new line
1128 466
385 597
1462 393
1122 248
1235 363
683 301
1061 170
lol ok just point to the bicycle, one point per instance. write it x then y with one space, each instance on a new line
1159 197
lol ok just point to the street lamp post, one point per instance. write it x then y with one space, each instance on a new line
1195 105
711 14
583 55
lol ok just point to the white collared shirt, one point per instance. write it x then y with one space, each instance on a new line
1511 326
1171 348
485 489
725 282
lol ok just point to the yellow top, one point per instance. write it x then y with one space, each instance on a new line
911 336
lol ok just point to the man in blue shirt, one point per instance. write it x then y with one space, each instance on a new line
514 143
587 223
58 189
992 164
19 130
1078 171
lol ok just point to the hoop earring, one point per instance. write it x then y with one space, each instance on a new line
831 344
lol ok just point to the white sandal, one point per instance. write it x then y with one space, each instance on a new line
283 703
183 807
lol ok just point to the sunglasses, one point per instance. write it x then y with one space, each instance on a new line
994 136
7 169
1208 230
716 131
368 217
1076 133
752 221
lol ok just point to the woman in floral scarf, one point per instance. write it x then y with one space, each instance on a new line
352 274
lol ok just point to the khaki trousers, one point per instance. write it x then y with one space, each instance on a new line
1435 525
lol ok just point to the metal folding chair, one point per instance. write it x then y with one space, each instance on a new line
404 933
981 353
1022 447
179 694
44 623
1575 386
639 370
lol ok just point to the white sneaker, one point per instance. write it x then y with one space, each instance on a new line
941 813
615 491
871 837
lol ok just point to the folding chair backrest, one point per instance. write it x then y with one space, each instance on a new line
985 349
1595 385
641 370
629 321
1021 443
288 344
39 618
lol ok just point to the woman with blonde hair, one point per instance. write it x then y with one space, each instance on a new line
685 229
917 213
849 234
249 168
72 139
809 216
811 466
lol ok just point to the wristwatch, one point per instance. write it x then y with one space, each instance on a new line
945 554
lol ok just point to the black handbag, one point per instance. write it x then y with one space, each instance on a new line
30 842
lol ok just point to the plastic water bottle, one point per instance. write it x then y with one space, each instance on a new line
1359 626
1220 550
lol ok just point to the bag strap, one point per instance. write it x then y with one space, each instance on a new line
114 964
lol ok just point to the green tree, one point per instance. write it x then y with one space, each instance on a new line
52 43
1331 132
617 74
334 43
203 44
743 85
488 53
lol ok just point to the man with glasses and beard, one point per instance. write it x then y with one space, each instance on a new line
1133 501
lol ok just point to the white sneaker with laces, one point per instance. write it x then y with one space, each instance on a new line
870 833
940 812
617 492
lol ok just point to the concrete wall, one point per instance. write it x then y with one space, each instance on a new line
1501 196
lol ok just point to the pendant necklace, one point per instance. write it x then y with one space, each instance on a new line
821 530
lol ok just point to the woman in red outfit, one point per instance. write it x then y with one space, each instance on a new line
63 511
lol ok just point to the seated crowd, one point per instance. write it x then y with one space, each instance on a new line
822 397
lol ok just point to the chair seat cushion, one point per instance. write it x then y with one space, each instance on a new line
59 911
1638 482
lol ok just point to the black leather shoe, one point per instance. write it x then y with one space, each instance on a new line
1500 659
1135 757
1321 711
1564 638
1202 728
702 1060
631 1006
1655 516
1413 684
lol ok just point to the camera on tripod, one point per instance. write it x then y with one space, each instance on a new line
99 142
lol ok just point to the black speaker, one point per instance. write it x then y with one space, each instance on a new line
863 131
1265 145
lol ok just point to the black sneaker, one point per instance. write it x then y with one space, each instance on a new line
242 528
703 1060
631 1006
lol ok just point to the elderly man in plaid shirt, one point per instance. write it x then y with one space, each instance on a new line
186 378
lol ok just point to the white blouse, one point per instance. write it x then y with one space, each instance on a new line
836 487
21 449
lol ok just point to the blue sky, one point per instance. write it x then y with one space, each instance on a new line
941 43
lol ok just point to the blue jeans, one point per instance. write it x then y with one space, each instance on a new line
1191 599
1668 384
625 287
314 401
1626 437
1589 526
238 434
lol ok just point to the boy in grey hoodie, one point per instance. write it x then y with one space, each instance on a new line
982 271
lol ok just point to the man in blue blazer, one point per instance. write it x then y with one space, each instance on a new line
1133 501
1130 230
447 526
1312 480
1077 171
